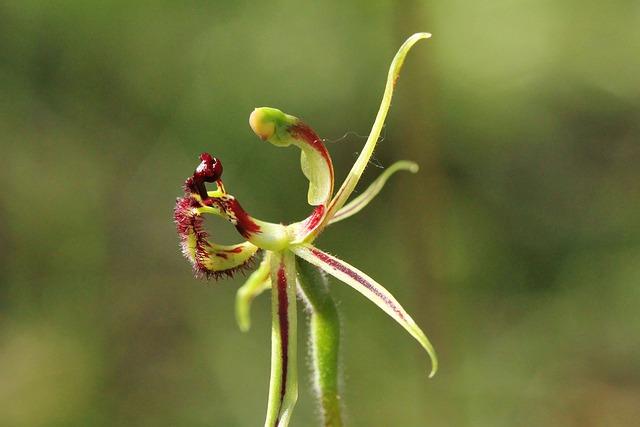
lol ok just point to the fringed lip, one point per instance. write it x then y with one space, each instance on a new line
209 259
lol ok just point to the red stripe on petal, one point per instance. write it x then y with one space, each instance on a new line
245 225
315 218
283 306
337 265
304 132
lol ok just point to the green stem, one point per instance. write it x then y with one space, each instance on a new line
325 340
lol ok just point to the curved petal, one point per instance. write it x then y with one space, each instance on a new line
257 283
357 204
361 162
197 201
370 289
283 387
282 130
208 258
265 235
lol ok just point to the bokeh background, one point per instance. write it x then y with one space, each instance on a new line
516 247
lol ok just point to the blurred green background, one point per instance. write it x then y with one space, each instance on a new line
516 247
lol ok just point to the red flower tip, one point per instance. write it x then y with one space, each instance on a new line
209 170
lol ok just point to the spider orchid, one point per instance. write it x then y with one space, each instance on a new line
291 264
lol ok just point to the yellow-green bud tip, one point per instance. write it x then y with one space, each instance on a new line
261 124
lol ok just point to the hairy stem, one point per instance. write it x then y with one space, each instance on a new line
325 340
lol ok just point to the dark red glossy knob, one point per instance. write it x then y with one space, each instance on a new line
209 169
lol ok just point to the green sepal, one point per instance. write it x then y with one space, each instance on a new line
357 204
257 283
282 130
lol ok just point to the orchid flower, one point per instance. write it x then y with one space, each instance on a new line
291 265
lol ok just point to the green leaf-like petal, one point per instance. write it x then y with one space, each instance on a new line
257 283
352 179
357 204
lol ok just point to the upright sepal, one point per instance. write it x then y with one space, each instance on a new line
283 388
282 130
359 166
370 289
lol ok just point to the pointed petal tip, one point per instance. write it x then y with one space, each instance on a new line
433 357
421 35
244 325
434 366
243 318
254 286
413 167
431 351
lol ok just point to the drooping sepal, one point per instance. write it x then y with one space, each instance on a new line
357 204
283 387
258 282
282 130
370 289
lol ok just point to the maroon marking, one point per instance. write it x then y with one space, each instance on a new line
209 169
315 218
192 186
336 265
283 306
235 250
188 222
245 224
336 197
303 131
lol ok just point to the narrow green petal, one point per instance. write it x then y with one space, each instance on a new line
352 179
357 204
370 289
283 388
257 283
